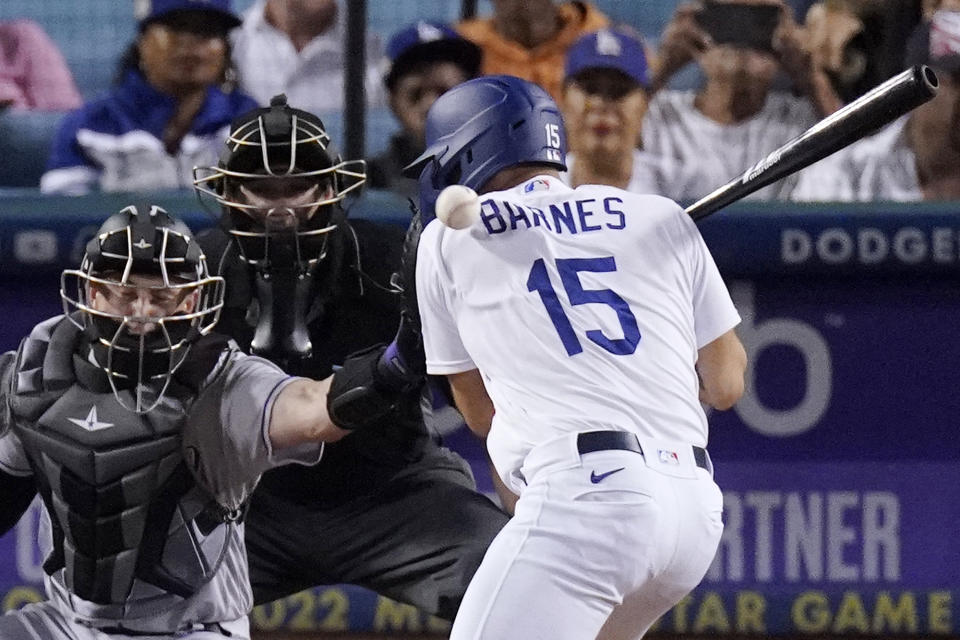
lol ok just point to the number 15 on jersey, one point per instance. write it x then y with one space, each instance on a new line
569 270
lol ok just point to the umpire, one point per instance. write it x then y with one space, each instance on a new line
391 511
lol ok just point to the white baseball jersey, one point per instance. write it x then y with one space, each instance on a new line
582 308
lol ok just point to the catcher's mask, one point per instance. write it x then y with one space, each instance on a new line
142 296
280 183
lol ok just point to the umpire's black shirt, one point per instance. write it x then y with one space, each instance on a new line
353 307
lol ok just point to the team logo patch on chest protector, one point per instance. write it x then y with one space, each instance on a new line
128 521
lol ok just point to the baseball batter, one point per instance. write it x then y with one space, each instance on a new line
145 435
573 325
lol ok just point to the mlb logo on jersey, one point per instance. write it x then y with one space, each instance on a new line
536 185
669 457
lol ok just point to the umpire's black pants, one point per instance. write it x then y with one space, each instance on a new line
418 539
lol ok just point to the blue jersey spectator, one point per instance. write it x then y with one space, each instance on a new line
168 112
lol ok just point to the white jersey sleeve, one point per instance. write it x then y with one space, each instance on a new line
227 430
445 352
713 311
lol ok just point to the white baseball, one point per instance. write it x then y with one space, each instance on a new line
458 207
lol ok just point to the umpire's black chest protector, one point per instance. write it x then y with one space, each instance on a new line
353 307
127 518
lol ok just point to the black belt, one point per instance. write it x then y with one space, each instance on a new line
591 441
210 627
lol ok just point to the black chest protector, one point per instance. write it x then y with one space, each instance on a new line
127 518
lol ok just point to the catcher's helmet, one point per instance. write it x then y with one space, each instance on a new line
483 126
158 298
280 145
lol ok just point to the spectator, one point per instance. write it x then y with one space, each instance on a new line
918 156
167 112
296 47
930 7
839 44
735 119
859 43
33 74
424 61
529 38
604 101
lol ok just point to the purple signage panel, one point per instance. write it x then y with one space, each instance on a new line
840 369
832 547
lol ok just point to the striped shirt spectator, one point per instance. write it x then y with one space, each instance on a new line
711 153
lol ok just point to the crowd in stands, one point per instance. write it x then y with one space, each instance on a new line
767 74
918 156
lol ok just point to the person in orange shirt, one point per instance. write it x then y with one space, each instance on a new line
530 38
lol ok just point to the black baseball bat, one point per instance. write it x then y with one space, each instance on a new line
873 110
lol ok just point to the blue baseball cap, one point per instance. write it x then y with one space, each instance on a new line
427 41
609 49
146 11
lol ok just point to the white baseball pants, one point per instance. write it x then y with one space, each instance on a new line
590 532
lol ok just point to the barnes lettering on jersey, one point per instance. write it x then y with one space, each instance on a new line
575 216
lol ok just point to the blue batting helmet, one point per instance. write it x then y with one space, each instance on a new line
482 126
